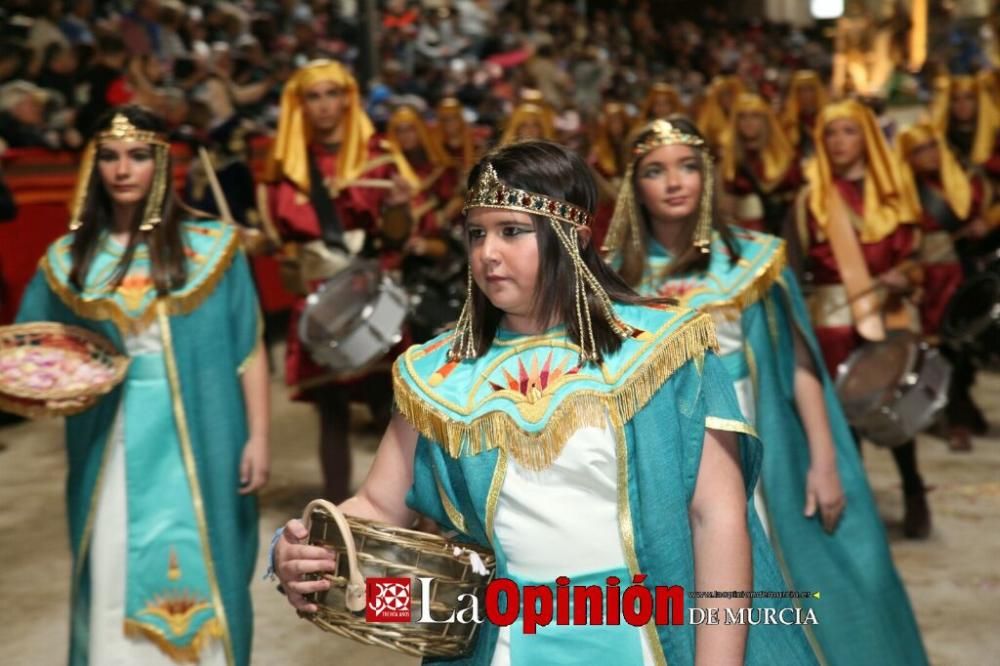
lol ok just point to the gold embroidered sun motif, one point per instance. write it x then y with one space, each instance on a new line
678 288
177 609
532 382
134 288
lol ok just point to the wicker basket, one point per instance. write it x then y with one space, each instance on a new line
27 343
369 549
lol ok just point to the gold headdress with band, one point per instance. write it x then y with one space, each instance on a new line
886 203
122 129
527 112
987 113
491 192
449 107
955 182
660 91
791 110
289 156
606 151
776 154
433 149
713 115
625 222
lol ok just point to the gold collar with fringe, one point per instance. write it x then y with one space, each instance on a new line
725 286
529 394
210 247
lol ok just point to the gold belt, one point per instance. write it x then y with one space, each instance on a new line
937 247
749 207
828 307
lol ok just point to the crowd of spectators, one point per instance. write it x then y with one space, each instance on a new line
203 64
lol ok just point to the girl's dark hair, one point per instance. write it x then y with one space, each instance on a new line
691 260
546 168
168 266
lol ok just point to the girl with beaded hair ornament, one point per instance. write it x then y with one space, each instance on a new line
669 240
577 430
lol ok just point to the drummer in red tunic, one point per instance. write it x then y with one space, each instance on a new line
607 158
856 225
951 203
759 169
805 97
966 113
715 108
428 168
453 132
433 257
661 102
529 121
327 189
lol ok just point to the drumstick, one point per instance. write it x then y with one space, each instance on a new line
213 182
378 183
879 285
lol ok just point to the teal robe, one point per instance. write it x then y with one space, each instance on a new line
209 329
864 613
527 396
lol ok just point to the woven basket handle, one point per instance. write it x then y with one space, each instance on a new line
354 595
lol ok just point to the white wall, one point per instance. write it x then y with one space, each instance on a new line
795 12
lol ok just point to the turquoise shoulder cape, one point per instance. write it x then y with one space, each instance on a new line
864 613
528 394
209 330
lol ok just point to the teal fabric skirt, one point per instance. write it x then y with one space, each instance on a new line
567 645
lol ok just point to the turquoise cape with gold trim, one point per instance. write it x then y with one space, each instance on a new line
659 393
864 613
209 328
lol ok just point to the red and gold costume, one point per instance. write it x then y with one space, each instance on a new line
660 95
798 123
528 113
288 209
977 146
881 216
763 181
461 145
608 162
713 114
949 200
430 171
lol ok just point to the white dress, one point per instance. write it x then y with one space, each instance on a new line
562 519
729 332
109 646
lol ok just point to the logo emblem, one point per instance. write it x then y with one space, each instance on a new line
388 600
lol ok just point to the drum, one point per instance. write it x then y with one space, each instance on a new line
971 323
437 290
893 389
353 318
367 549
434 307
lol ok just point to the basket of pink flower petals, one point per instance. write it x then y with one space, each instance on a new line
49 369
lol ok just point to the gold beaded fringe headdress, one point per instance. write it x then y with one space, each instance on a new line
123 130
491 192
624 226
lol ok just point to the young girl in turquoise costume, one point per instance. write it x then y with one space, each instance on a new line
162 519
667 240
574 428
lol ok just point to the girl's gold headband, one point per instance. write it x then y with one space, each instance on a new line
491 192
